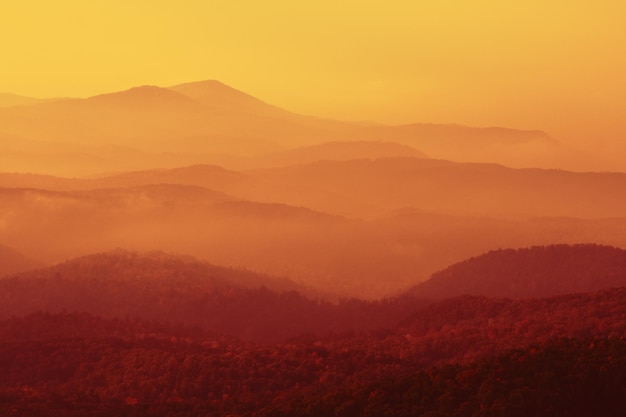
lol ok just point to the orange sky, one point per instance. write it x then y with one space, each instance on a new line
555 65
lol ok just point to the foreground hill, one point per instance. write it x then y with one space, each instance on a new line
539 271
562 356
180 290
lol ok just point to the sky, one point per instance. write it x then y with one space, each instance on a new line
554 65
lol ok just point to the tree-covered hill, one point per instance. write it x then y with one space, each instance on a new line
539 271
182 290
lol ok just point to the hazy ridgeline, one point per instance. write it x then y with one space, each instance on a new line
194 251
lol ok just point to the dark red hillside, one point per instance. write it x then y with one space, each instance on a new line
539 271
182 290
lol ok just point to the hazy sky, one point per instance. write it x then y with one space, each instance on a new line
554 65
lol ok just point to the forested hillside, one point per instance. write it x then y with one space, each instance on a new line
539 271
181 290
464 357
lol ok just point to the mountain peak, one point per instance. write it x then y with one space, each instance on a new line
218 94
145 94
209 88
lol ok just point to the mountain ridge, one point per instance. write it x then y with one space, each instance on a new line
211 117
537 271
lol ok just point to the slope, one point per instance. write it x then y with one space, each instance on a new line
365 188
212 118
183 291
538 271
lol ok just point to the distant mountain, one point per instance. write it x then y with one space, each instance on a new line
10 100
373 188
41 181
210 176
455 136
539 271
376 187
338 151
208 117
12 261
144 97
511 147
218 95
149 118
279 212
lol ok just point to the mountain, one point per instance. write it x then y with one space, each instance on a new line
336 151
144 97
459 137
373 188
511 147
366 228
210 176
11 100
533 272
561 356
148 118
208 119
183 291
215 94
366 188
270 237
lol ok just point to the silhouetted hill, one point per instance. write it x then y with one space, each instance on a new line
182 291
366 187
511 147
302 222
375 187
538 271
210 176
456 136
156 195
280 212
10 100
561 356
216 94
144 97
338 151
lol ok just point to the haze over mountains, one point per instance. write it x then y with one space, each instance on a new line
354 209
195 251
202 122
359 209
